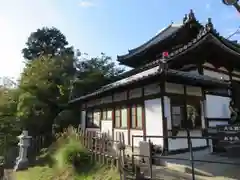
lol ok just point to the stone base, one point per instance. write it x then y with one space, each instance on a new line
21 165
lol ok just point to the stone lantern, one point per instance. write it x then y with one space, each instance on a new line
24 143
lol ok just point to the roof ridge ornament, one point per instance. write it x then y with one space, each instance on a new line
191 15
209 25
163 66
185 19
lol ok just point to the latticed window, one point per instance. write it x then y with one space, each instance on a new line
118 117
177 110
106 114
96 118
89 119
121 117
93 118
136 116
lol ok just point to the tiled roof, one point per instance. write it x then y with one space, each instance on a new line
206 33
163 34
151 73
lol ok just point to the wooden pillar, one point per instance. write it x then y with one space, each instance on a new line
185 104
128 119
200 71
164 119
113 117
143 116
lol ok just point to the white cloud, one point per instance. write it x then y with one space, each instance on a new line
86 3
208 6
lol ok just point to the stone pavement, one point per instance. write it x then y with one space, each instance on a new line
165 173
8 174
204 169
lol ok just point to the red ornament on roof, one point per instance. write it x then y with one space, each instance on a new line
164 54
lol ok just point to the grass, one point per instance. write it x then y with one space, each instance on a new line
66 160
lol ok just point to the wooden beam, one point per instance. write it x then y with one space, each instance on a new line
164 119
128 119
143 116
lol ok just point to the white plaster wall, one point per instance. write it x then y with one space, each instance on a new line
106 127
83 119
154 120
217 106
117 133
215 123
175 144
136 140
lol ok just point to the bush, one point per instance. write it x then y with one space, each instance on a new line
73 153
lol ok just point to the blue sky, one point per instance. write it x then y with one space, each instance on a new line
95 26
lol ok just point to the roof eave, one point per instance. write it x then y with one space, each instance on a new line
210 82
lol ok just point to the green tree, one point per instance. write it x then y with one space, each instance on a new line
46 85
9 124
93 73
51 75
46 41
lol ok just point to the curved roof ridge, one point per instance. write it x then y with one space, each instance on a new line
162 35
159 37
207 31
152 39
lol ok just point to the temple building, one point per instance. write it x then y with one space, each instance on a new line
182 78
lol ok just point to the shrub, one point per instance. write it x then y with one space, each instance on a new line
72 153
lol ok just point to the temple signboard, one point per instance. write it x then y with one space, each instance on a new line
228 133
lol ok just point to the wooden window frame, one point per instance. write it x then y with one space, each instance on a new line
106 113
135 107
92 111
88 125
120 108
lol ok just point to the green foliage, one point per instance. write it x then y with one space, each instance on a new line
46 41
47 76
52 75
73 153
65 151
46 85
9 125
94 73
